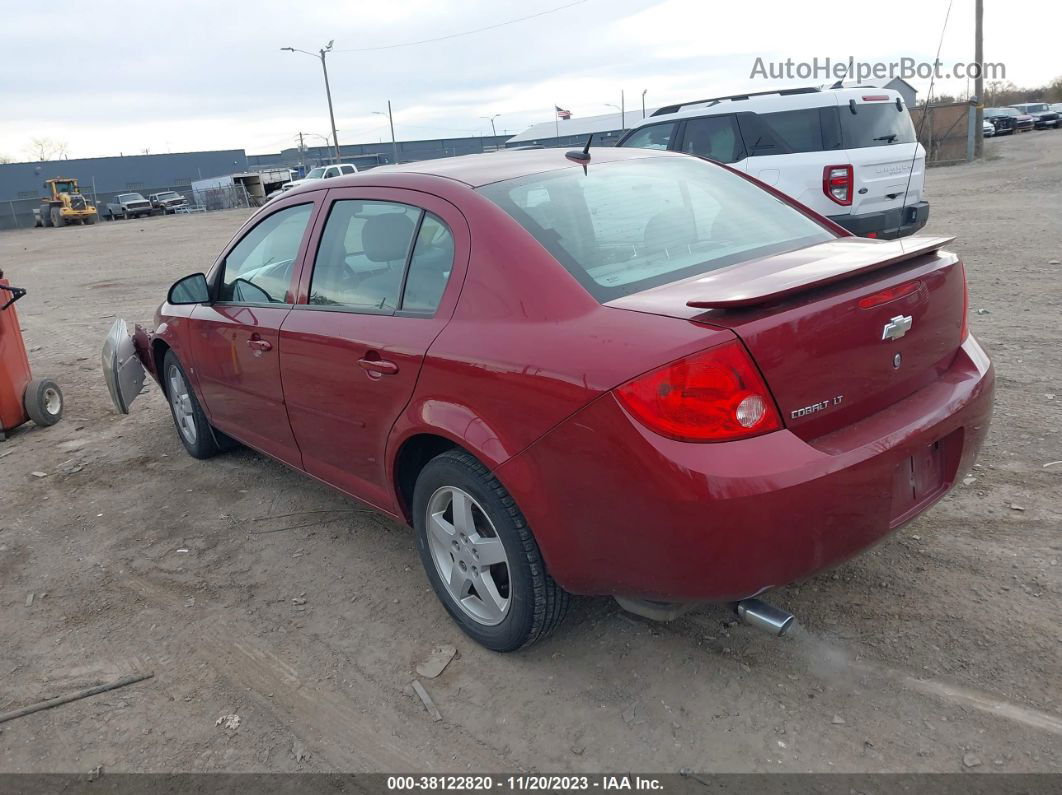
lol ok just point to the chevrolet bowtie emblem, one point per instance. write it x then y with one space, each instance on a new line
897 327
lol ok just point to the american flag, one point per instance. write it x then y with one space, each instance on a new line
562 113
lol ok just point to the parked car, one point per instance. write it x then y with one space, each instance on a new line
630 372
1002 119
987 129
168 201
1043 117
850 154
1023 122
322 172
127 205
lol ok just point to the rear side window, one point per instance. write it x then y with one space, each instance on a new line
877 124
715 137
258 270
429 267
347 169
788 131
362 255
655 136
623 227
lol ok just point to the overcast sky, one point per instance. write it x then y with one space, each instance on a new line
110 77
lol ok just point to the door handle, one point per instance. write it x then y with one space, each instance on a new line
258 344
378 366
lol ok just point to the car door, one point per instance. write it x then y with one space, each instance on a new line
235 339
383 285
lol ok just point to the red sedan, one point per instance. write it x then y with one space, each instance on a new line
638 373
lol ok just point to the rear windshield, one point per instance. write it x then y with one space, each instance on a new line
876 125
625 227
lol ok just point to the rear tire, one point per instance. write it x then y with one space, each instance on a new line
90 219
46 216
57 218
193 429
520 603
43 401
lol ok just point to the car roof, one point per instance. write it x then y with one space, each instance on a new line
484 169
783 99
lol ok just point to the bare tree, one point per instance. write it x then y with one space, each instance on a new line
6 159
47 149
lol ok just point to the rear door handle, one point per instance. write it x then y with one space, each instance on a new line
378 366
258 344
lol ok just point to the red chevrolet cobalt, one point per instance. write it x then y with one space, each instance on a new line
625 372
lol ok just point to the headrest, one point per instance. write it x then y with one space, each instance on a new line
385 238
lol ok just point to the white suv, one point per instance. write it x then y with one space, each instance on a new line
849 153
322 172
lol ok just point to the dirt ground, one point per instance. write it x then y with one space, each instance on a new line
251 590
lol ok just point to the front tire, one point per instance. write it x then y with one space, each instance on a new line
193 428
481 557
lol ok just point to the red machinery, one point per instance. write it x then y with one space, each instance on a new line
22 397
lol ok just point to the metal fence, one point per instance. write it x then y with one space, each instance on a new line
946 131
18 213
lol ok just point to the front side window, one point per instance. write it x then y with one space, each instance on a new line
316 173
362 255
714 137
624 227
655 136
259 268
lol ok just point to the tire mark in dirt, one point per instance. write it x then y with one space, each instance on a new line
346 737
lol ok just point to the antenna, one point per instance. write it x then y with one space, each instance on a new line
925 115
582 155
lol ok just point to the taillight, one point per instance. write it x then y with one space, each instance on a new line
713 396
964 329
889 294
837 183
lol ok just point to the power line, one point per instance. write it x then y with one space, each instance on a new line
467 32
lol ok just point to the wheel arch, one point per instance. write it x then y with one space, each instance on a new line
409 460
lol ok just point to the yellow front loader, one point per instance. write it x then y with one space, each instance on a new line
65 204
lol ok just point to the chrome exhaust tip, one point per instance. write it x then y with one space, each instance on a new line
772 620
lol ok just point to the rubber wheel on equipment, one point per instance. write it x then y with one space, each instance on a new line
480 556
43 401
57 218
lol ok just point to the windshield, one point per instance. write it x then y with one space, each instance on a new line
625 227
876 125
316 173
167 195
130 197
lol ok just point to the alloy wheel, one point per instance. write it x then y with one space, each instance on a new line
468 555
181 401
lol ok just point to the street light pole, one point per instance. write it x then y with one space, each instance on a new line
643 101
391 121
328 90
491 119
623 111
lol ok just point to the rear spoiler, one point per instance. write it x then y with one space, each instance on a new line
767 280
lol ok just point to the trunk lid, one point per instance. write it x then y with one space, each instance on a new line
825 324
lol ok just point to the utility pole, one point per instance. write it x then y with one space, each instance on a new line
979 81
391 120
623 112
320 55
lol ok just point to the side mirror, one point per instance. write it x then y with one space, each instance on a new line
189 290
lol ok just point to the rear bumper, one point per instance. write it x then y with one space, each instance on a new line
887 224
619 510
